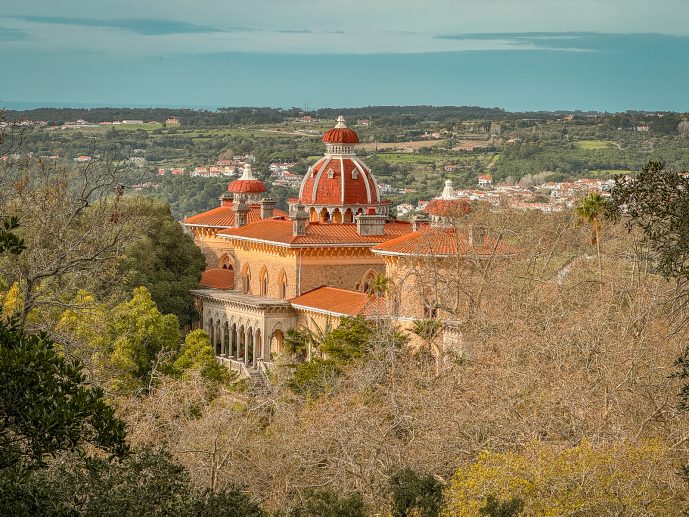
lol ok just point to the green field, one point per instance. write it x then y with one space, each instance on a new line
594 144
148 126
420 158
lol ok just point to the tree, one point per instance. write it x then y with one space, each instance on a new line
197 354
496 508
160 257
145 482
138 340
591 210
379 286
46 405
75 235
623 478
656 202
328 503
415 494
347 342
9 241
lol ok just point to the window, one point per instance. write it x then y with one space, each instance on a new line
282 285
246 279
331 174
355 174
263 286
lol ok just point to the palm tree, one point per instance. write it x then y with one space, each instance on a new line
591 210
379 286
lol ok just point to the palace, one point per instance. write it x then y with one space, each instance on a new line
269 271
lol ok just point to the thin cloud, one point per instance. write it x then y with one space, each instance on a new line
9 34
570 41
142 26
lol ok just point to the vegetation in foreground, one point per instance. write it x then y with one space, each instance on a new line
564 400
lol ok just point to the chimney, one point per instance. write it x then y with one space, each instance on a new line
370 223
226 199
267 207
417 220
476 235
299 220
241 212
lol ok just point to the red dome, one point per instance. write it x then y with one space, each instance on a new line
340 134
247 187
247 184
339 181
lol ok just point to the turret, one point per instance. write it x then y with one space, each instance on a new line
299 221
241 211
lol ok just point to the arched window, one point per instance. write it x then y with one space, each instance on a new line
282 285
348 217
313 215
367 279
263 282
226 262
337 216
325 215
246 279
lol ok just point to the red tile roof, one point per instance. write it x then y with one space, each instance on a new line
279 231
241 186
223 217
217 278
340 135
339 302
442 242
443 207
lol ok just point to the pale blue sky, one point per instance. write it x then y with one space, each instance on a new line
528 54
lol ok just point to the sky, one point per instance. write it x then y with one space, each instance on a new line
604 55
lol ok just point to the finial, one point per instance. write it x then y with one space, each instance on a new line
247 174
340 122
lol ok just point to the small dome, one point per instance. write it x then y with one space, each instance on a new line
247 184
340 134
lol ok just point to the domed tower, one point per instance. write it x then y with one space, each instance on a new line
248 187
339 186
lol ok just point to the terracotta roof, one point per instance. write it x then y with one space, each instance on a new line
247 187
441 242
328 177
340 135
217 278
223 216
339 302
453 207
279 232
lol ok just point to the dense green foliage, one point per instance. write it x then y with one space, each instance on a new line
46 405
496 508
145 482
415 494
328 503
9 241
347 342
161 258
197 354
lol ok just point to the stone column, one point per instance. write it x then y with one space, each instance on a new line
257 347
222 339
246 347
